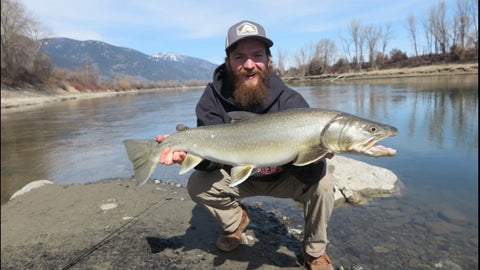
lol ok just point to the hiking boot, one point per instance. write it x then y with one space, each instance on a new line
321 263
230 241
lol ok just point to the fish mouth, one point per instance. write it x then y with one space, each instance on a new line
372 148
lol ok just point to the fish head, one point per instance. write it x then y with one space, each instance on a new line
354 135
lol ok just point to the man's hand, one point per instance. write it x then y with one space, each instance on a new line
167 157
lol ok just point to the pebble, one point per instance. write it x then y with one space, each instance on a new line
295 231
448 264
380 249
108 206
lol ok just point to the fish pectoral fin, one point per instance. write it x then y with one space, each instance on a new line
240 173
310 155
189 163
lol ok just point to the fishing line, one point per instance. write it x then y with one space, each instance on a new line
112 235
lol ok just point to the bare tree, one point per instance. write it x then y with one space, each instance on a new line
385 36
412 29
19 41
325 51
461 23
355 31
280 63
346 46
438 27
303 57
474 19
89 72
372 35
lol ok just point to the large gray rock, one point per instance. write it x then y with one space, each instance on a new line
357 181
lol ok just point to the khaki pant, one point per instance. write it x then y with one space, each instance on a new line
211 190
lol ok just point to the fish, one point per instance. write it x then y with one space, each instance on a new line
250 141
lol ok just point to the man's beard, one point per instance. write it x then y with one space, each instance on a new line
247 96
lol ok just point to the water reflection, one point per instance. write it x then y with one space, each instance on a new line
446 108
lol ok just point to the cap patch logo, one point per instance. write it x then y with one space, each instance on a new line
246 29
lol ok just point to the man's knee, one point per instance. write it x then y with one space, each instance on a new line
195 185
327 183
200 183
325 187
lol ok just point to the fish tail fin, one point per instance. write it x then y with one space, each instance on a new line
141 154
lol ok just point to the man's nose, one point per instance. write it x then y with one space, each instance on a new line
249 64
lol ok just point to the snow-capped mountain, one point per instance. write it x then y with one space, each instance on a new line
112 61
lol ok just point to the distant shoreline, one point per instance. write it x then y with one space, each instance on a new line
421 71
15 98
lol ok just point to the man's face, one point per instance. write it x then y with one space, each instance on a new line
249 65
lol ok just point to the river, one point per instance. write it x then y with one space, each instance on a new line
434 222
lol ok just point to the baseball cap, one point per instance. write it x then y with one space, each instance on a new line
246 29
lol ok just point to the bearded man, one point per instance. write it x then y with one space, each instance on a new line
245 82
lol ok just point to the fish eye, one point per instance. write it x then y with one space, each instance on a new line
373 128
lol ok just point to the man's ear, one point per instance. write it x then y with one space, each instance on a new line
227 64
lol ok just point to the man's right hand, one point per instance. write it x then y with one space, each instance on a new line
167 157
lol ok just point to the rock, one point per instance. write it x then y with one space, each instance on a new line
111 204
380 249
442 227
28 187
447 264
355 180
453 216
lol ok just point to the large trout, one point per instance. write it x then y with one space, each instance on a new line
300 137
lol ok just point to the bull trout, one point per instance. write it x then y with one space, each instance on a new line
299 136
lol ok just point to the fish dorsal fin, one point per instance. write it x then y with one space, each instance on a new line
189 163
240 173
238 116
181 127
310 155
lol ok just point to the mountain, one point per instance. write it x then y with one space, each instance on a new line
112 61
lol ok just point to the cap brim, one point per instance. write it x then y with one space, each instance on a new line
265 40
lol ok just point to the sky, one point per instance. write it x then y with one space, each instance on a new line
198 28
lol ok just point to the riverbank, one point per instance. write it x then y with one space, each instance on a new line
112 224
14 98
421 71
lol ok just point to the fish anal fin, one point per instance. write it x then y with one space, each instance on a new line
189 163
310 155
240 173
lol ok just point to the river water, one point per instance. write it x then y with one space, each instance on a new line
432 225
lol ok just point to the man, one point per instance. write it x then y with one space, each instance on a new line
246 82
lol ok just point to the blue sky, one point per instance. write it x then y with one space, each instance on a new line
197 28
